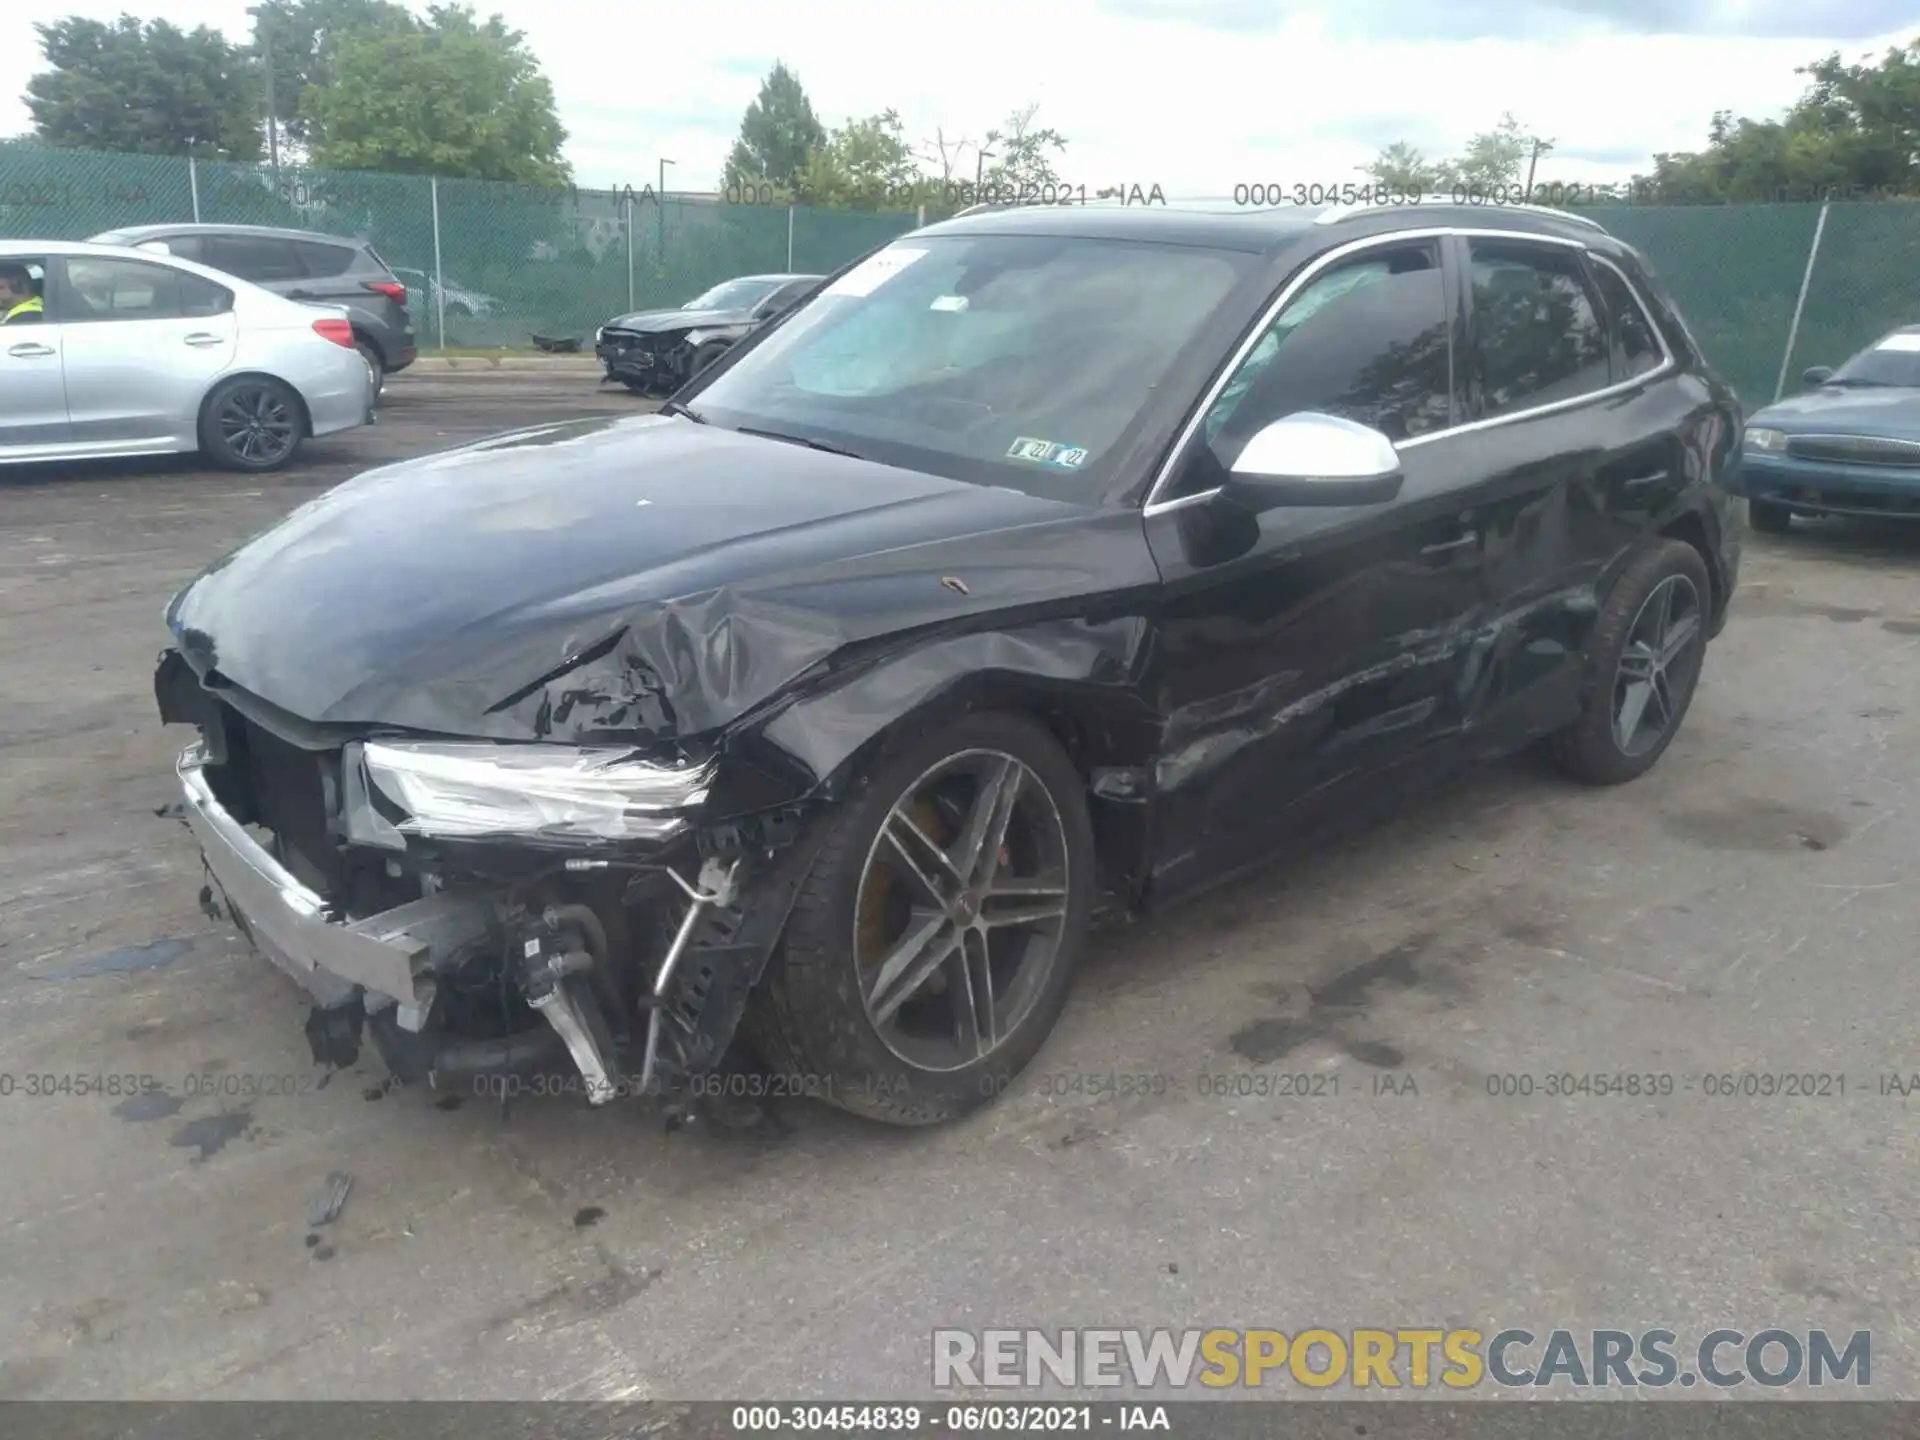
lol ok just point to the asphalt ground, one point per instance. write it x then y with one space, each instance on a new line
1749 910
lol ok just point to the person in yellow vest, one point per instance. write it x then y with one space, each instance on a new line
18 303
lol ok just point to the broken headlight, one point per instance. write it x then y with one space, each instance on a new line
464 790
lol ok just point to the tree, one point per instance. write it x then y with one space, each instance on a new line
866 164
778 135
1493 163
144 86
450 97
1022 156
1403 169
304 37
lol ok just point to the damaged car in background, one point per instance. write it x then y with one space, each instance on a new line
656 351
1049 563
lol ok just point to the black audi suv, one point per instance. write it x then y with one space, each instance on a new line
1046 562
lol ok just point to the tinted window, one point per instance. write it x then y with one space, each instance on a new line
1366 340
1537 330
732 295
323 260
1019 360
259 258
132 290
1636 350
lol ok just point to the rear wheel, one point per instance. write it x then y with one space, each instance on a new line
1769 517
374 363
1642 667
932 946
252 423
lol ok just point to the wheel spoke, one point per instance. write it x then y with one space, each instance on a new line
929 943
1633 706
970 982
1022 902
1661 699
1638 662
925 861
1679 635
979 851
1659 616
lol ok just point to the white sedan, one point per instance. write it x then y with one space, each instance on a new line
145 354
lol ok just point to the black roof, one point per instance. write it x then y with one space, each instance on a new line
1261 231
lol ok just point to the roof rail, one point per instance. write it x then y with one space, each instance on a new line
1343 212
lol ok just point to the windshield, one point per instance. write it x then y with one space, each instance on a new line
998 359
733 295
1894 361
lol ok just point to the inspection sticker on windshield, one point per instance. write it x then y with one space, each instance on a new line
873 272
1048 452
1900 342
948 302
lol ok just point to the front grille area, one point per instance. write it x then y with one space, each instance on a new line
1856 450
290 789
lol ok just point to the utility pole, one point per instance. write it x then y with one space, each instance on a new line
980 158
1540 147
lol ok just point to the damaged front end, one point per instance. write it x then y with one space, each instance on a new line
483 909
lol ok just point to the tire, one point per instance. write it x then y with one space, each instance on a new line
252 424
374 363
1768 517
705 356
1612 742
638 387
813 1018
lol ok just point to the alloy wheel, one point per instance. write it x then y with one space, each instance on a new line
1658 666
961 910
257 425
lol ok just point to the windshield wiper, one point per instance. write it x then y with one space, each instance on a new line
675 407
798 440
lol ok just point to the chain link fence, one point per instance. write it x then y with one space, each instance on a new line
503 263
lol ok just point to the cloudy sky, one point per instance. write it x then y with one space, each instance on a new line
1194 95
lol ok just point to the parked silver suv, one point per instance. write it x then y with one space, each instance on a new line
300 265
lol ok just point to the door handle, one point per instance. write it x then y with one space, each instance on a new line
1652 477
1447 547
30 351
299 294
203 339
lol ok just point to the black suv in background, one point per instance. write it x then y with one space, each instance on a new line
301 265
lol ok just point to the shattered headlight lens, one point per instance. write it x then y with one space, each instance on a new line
474 790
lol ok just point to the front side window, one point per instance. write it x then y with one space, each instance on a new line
999 359
99 289
1538 336
1367 340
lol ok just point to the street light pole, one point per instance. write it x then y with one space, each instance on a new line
265 17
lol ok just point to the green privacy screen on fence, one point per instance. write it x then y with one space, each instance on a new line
520 260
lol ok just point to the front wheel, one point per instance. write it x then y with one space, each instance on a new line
1642 666
706 356
931 948
251 423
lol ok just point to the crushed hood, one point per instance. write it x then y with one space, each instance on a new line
653 322
644 576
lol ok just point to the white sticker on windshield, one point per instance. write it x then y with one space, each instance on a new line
873 272
1048 452
948 302
1900 342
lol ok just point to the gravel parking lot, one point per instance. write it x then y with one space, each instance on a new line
1750 909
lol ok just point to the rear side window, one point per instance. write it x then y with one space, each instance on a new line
1367 340
259 258
1635 348
324 260
1537 333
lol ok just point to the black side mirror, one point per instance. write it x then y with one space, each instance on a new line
1314 459
1817 374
